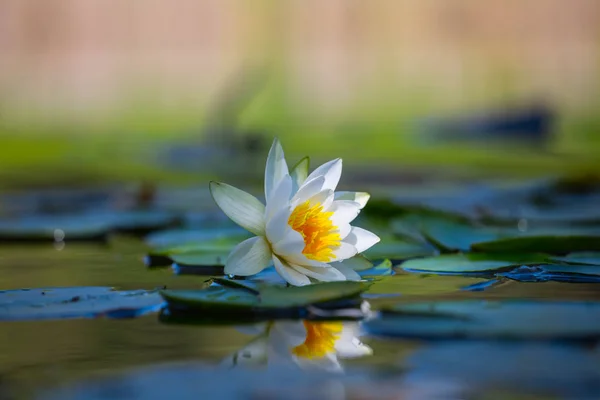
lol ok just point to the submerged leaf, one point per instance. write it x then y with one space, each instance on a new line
545 243
473 319
251 300
584 258
472 263
76 302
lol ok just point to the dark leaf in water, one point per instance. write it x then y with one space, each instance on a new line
472 262
384 268
584 258
417 285
54 229
543 243
448 235
76 302
137 221
395 249
204 259
261 299
474 319
182 237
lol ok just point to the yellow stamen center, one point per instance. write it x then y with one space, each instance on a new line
321 237
320 339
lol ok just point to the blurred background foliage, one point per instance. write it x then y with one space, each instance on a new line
95 90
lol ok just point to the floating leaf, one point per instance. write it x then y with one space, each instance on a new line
395 249
181 237
555 272
448 234
543 243
471 263
137 221
261 299
405 284
76 302
490 320
584 258
42 229
384 268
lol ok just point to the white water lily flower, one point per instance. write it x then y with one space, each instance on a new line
307 344
304 230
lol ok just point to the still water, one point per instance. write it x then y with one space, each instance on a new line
36 358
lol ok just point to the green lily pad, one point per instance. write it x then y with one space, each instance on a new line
450 235
41 229
395 249
76 302
384 268
473 319
138 221
417 285
207 253
543 243
583 257
204 259
471 262
266 298
177 238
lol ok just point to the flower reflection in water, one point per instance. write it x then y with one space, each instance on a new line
303 343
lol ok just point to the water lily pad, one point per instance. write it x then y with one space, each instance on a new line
212 253
450 235
63 228
554 272
266 299
181 237
584 258
543 243
384 268
76 302
471 263
408 285
138 221
490 320
395 249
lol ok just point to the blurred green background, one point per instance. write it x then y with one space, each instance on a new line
105 90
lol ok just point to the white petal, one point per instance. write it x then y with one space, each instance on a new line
331 171
344 229
322 274
356 263
360 197
361 239
291 276
277 225
280 197
344 251
344 211
308 190
349 346
249 257
302 260
324 198
287 334
291 243
275 169
299 173
243 208
349 273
